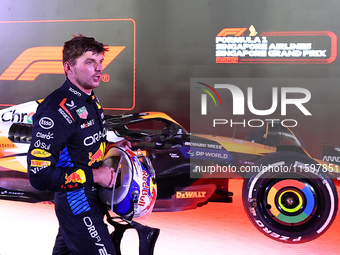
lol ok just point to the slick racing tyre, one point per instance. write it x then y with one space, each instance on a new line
290 198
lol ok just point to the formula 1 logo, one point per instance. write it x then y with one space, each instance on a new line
36 62
45 60
244 45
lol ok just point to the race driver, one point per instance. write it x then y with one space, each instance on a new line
67 149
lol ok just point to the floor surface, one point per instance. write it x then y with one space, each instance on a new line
216 228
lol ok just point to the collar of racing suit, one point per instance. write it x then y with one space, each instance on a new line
71 88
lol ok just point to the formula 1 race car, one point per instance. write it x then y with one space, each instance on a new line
287 195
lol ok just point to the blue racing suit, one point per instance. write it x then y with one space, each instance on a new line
68 141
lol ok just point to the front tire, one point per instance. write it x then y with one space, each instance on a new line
294 201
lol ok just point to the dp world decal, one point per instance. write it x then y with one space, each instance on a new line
31 65
247 45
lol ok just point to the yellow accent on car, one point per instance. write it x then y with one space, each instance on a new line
160 115
241 146
12 163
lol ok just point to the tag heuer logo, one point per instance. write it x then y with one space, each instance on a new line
82 112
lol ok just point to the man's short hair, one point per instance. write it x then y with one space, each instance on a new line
80 44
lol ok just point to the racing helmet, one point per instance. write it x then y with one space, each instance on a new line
134 192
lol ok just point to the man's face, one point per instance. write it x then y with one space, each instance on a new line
86 72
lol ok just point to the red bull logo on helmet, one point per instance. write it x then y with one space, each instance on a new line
148 190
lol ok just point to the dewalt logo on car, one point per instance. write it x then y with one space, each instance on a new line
190 194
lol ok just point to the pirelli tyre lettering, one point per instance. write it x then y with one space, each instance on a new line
293 206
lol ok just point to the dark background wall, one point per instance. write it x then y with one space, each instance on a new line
167 44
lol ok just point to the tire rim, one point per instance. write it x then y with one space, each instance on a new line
290 202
